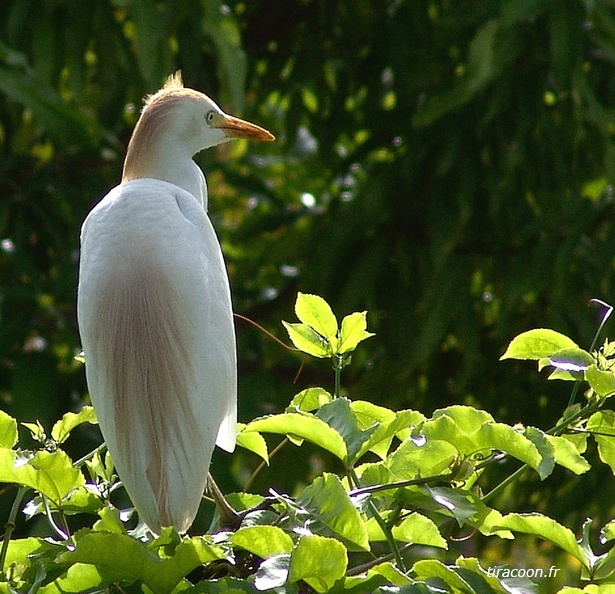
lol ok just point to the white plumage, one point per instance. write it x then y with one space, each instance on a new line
154 310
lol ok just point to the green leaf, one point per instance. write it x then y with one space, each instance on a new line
602 382
493 583
62 428
272 573
339 415
332 509
415 528
316 313
80 577
8 430
602 425
537 344
264 541
431 568
123 557
567 455
401 426
253 442
308 340
302 426
50 473
458 503
474 431
414 458
573 360
353 331
545 528
310 399
608 532
318 561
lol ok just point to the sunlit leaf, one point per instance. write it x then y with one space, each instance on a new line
123 557
272 573
316 313
318 561
8 430
602 426
310 399
353 331
303 426
50 473
264 541
567 455
421 458
545 528
415 528
331 507
307 340
602 382
62 428
536 344
253 442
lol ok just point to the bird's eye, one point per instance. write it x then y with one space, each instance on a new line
210 116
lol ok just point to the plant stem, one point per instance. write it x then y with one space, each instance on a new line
10 526
337 366
557 430
386 529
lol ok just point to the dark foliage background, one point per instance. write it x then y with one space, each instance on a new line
445 165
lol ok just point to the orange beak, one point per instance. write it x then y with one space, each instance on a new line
237 128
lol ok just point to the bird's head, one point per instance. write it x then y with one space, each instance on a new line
181 122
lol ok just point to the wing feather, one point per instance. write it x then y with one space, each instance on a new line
156 326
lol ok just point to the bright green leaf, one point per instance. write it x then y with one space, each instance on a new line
602 425
536 344
331 507
545 528
573 360
474 431
316 313
602 382
385 573
310 399
431 568
567 455
318 561
353 331
127 558
8 430
264 541
415 528
414 458
308 340
62 428
50 473
608 532
80 577
253 442
303 426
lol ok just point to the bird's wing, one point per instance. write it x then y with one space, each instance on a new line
156 326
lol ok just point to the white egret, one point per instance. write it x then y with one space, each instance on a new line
154 309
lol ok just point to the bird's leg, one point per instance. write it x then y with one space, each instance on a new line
228 516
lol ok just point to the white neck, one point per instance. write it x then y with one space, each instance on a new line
184 173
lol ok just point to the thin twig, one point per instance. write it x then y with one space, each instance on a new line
265 331
10 526
386 530
263 463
